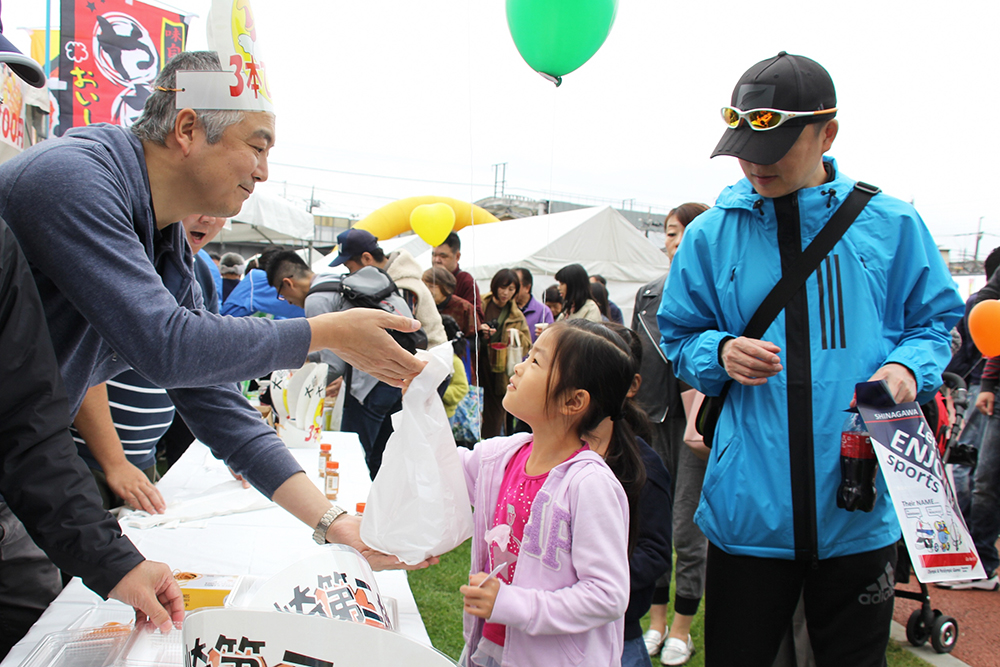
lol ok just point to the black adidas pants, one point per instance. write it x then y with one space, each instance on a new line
749 604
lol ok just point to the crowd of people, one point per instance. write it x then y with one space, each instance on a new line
580 444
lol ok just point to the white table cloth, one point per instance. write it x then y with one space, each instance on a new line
259 542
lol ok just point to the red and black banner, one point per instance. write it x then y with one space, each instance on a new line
110 53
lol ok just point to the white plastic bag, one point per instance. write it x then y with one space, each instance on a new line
418 505
514 352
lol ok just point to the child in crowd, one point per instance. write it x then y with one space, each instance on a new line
553 521
652 555
553 299
458 387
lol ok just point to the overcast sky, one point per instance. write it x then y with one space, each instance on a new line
434 91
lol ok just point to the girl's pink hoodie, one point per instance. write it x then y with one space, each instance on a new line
567 602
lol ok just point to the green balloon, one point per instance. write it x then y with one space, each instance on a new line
556 37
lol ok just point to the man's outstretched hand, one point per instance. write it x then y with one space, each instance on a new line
359 337
347 530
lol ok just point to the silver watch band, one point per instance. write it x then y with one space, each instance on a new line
331 515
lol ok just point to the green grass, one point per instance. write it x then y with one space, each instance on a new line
436 592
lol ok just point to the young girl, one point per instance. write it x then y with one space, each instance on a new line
552 519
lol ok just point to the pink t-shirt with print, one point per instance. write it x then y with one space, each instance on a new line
517 491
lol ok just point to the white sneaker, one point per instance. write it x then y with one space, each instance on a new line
654 642
991 584
676 652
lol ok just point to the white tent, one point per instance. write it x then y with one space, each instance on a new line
268 219
600 239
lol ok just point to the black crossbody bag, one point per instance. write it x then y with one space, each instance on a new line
785 289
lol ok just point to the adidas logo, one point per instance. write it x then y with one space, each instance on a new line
881 590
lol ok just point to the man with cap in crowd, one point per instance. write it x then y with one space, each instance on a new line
879 307
47 496
120 228
368 404
231 269
358 248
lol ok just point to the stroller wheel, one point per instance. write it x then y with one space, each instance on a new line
944 634
917 633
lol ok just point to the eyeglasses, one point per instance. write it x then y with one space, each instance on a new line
765 119
280 285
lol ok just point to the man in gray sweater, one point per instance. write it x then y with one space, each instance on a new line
96 213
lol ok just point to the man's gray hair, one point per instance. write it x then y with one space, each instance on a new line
159 114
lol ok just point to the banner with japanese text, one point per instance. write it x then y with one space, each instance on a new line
110 52
12 113
934 531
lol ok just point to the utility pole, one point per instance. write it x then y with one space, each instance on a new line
499 179
979 236
313 202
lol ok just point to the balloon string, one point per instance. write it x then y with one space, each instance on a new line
472 213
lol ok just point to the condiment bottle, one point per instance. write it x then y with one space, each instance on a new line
324 456
332 483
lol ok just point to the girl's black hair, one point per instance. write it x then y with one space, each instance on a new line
502 278
634 415
592 357
454 334
552 295
599 293
574 276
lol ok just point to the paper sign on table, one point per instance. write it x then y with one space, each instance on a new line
337 583
297 396
214 637
934 531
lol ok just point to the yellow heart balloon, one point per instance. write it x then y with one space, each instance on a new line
433 222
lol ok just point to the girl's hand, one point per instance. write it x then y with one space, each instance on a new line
479 600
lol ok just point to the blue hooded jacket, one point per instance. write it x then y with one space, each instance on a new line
882 295
254 295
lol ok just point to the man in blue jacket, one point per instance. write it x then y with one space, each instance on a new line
880 306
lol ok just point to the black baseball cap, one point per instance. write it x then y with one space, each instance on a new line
784 82
352 243
23 66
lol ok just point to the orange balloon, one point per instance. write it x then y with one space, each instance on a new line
984 326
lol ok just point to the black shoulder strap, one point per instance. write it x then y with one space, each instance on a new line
809 260
787 286
333 285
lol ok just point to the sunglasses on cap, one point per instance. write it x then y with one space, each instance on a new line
765 119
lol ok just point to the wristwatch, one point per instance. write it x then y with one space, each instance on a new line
332 514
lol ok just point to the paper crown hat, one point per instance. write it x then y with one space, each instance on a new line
242 85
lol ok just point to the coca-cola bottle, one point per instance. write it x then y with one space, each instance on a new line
857 467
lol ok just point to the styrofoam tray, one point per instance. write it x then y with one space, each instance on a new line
86 647
108 646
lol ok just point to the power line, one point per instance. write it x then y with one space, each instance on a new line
391 178
547 193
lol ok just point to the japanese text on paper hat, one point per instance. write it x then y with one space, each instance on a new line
242 86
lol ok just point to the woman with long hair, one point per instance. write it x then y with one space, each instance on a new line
599 293
574 287
663 400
